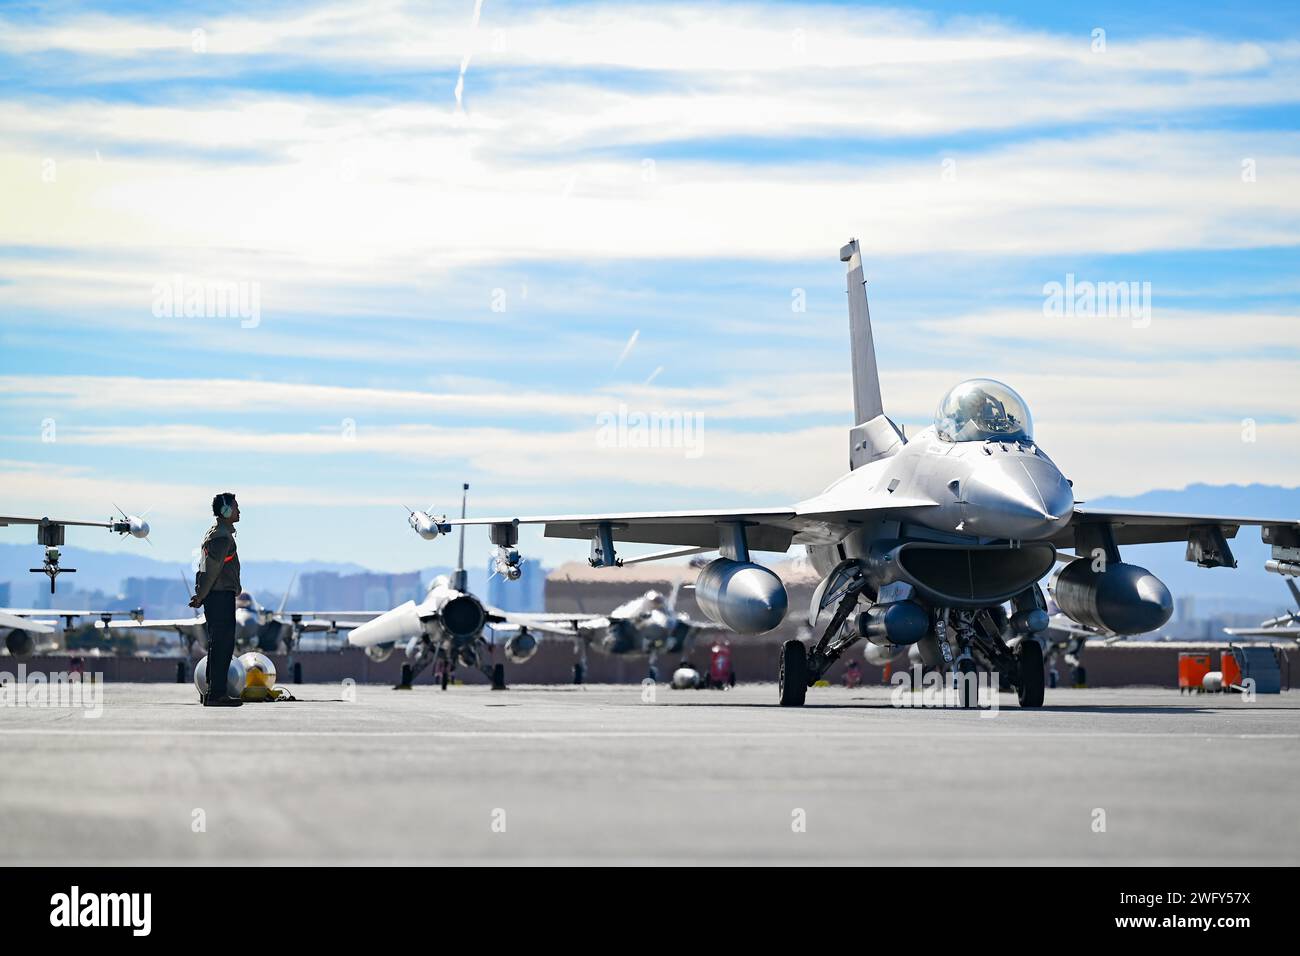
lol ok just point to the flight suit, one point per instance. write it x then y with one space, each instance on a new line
215 585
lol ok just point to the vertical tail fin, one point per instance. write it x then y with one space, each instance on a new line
866 380
873 435
459 578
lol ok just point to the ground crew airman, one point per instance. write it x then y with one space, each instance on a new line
215 587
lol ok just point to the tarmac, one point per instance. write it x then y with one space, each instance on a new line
626 774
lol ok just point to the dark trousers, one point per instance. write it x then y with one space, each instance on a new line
219 613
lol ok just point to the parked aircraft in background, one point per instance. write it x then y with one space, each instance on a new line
1285 627
35 630
449 628
256 627
649 625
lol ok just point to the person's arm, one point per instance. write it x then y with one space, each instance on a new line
214 555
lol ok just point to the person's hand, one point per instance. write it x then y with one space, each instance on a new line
195 602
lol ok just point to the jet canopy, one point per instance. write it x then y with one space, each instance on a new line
983 410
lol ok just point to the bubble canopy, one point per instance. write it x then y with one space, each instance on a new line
983 410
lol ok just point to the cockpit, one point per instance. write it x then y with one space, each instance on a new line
983 410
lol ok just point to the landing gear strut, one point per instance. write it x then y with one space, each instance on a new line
801 668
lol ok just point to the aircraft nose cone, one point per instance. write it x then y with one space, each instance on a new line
1018 497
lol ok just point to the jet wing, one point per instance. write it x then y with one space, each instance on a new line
331 624
179 624
1084 532
767 529
1290 633
80 524
10 619
564 625
56 612
325 620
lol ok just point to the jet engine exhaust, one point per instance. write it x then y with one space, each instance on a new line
463 616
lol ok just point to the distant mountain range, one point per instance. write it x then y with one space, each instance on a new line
1249 588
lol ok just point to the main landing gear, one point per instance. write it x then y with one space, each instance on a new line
963 643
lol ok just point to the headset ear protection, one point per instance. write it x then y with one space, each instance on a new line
227 509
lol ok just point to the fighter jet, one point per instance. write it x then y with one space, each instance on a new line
923 540
31 630
256 627
450 627
647 626
1285 627
50 534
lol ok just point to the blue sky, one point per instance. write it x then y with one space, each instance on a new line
631 206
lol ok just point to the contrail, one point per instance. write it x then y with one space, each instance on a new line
627 349
464 61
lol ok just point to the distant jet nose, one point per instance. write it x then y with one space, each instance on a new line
1016 496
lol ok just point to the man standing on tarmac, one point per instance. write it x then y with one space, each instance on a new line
215 587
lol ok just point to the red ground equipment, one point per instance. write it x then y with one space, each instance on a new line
1192 669
721 673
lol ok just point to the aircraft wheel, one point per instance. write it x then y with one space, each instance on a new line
792 679
1080 677
405 682
579 674
297 672
1029 686
446 678
498 676
968 684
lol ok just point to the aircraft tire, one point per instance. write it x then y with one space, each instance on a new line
498 676
968 687
792 678
1029 686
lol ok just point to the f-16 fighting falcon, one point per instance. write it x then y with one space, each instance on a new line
257 628
648 625
49 534
22 626
923 540
448 627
